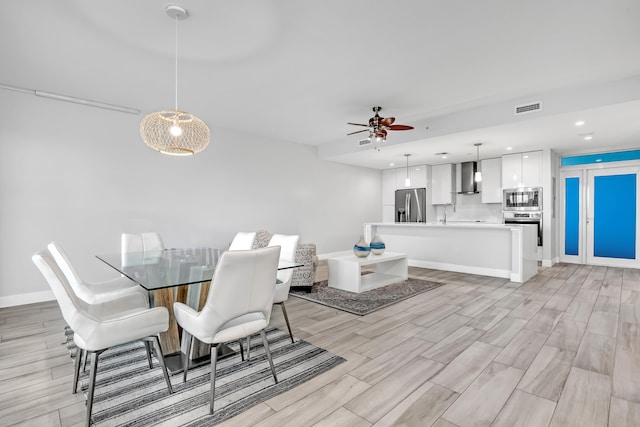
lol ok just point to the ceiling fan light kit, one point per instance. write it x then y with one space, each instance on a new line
378 126
175 132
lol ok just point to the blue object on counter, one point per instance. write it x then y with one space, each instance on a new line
361 249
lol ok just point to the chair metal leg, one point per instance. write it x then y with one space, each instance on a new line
266 349
214 359
86 359
249 347
241 349
147 346
76 369
286 319
185 362
92 383
160 355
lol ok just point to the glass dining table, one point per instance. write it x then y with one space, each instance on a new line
171 275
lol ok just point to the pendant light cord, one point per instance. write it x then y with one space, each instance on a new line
407 165
176 62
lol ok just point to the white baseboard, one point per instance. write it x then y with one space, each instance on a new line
30 298
493 272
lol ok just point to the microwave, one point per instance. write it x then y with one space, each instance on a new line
522 199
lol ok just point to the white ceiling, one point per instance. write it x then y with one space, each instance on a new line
299 70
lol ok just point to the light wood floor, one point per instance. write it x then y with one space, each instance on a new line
562 349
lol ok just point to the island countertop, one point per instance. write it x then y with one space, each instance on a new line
490 249
453 224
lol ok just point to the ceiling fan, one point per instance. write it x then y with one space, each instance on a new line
378 126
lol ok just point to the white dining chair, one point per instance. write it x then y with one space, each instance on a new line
93 293
239 304
242 241
289 246
97 327
141 242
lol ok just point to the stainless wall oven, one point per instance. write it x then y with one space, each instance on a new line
522 199
520 218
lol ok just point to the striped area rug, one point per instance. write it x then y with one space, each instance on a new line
365 302
128 393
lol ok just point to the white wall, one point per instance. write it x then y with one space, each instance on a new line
81 176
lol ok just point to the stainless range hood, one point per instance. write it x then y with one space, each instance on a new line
467 178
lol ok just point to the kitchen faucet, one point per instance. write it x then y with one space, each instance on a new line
444 215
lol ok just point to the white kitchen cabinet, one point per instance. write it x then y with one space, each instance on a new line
389 186
401 175
418 175
491 191
522 170
443 184
532 169
511 170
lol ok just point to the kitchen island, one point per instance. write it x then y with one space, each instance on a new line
498 250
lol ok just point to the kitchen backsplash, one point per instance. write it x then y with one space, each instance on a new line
469 207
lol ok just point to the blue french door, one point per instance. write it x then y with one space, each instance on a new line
611 217
571 220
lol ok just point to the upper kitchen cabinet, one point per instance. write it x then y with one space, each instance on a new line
532 169
491 180
389 187
522 170
394 179
417 177
443 178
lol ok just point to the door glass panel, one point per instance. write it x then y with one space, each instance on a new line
617 156
614 227
572 216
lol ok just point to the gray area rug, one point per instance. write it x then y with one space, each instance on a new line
365 302
128 393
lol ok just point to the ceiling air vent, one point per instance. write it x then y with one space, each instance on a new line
364 142
529 108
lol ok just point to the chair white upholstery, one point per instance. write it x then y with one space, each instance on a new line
141 242
100 326
289 246
242 241
93 293
239 304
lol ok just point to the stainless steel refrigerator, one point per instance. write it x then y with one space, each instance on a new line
411 204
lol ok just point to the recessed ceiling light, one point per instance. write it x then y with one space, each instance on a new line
392 164
509 148
525 157
444 157
580 123
588 137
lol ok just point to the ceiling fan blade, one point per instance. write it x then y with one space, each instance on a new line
358 131
357 124
400 127
388 121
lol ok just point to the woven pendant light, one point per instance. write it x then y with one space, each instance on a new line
175 132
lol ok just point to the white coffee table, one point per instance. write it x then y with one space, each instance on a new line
345 270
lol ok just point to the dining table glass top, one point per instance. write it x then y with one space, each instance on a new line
170 267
